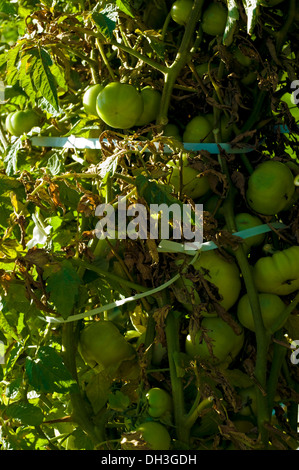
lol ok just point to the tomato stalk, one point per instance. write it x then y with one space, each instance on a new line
262 338
182 58
80 414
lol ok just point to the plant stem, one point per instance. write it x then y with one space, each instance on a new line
173 348
182 58
262 338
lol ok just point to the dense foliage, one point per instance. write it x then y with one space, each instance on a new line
118 343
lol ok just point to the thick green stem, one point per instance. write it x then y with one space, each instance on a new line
80 413
182 58
173 348
262 338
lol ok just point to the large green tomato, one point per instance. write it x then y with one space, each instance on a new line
271 309
180 11
21 122
90 99
155 435
199 129
189 181
270 187
224 343
102 343
248 401
159 402
151 105
214 19
224 274
279 273
119 105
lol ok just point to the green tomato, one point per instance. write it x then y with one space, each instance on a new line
21 122
244 221
199 129
159 402
180 11
214 19
119 105
172 130
226 129
203 69
224 274
270 187
225 344
102 343
271 309
155 435
242 58
279 273
155 14
90 99
151 105
191 184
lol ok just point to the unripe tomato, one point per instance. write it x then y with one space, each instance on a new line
159 402
270 187
279 273
214 19
223 341
102 343
90 99
21 122
241 58
244 221
189 181
199 129
222 273
180 11
271 309
151 105
155 434
155 14
172 130
119 105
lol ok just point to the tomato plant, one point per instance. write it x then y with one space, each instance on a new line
119 105
137 341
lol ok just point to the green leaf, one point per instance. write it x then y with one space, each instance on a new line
98 389
105 24
12 156
118 401
25 413
124 6
47 373
232 21
40 64
251 8
63 285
